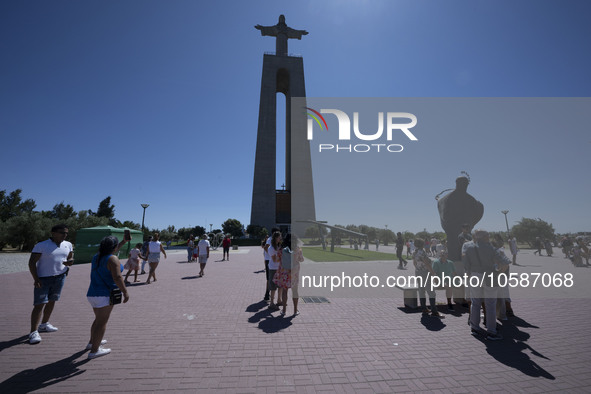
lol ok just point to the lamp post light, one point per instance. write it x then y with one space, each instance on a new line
144 215
505 212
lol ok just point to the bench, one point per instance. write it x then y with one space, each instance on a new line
410 295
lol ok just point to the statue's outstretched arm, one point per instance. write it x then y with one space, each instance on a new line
267 30
293 33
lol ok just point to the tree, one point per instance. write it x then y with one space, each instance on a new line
2 234
407 235
105 209
185 233
25 230
12 205
423 235
166 235
352 227
82 220
526 230
256 231
232 227
198 231
387 236
131 225
61 212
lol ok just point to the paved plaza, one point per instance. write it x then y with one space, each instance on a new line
184 333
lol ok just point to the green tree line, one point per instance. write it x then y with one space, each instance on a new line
21 226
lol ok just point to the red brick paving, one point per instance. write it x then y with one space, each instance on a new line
184 333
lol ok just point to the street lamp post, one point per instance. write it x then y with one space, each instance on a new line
505 212
144 215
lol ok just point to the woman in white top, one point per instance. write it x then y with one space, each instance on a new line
274 262
154 249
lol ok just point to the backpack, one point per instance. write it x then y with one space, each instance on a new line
286 258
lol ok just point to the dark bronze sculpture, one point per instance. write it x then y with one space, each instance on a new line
282 32
456 209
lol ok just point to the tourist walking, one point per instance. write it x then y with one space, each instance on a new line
567 245
297 257
514 249
203 253
538 245
105 276
190 247
144 253
266 243
274 251
49 264
548 247
154 250
226 243
584 248
282 277
399 249
133 262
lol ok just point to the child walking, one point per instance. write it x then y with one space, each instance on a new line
133 262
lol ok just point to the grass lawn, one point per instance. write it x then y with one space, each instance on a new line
343 254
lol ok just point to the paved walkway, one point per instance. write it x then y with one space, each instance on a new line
214 333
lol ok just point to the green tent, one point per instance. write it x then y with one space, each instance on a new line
88 240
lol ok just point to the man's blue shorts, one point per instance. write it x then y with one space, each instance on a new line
51 288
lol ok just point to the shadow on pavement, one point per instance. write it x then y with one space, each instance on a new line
47 375
16 341
510 351
134 284
257 306
274 324
432 323
257 317
519 322
191 277
267 322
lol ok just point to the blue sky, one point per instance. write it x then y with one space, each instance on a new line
157 101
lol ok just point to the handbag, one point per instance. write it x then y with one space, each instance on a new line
116 296
286 258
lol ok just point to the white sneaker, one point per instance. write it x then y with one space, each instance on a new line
47 327
100 352
34 337
89 346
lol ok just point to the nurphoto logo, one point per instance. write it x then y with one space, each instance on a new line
393 127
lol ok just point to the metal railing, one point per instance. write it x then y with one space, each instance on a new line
288 55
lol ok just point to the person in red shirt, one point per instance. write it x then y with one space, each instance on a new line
226 247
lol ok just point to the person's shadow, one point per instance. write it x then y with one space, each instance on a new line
256 307
275 323
432 323
266 321
510 351
44 376
13 342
